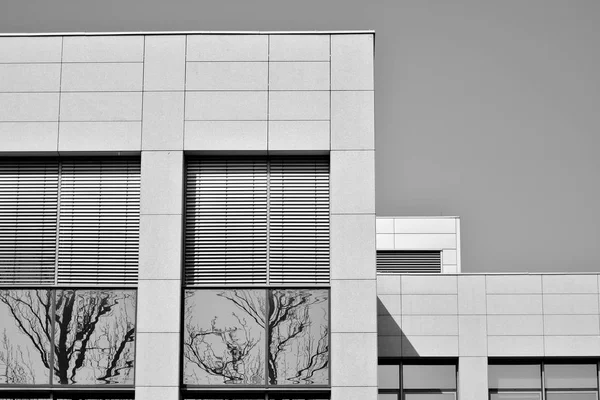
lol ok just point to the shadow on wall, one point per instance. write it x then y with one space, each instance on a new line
392 342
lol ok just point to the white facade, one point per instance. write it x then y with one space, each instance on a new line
163 97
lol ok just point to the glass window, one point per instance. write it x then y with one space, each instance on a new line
571 376
506 376
298 341
516 396
224 337
429 377
430 396
237 341
94 339
25 336
91 333
571 396
388 376
418 382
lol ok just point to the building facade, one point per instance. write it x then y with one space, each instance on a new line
151 182
192 216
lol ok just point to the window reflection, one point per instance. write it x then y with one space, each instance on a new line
94 340
224 338
231 338
298 337
25 336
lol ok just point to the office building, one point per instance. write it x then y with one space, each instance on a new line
192 215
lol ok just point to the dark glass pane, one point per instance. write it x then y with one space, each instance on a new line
388 376
25 336
224 337
571 376
430 396
387 396
516 396
91 397
254 396
298 337
23 397
572 396
94 396
514 376
94 339
429 377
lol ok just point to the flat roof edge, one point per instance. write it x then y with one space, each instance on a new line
189 33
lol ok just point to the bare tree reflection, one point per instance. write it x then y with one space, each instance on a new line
93 334
30 310
17 365
296 329
228 347
298 339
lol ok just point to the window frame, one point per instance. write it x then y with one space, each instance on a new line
265 388
127 157
50 386
543 362
401 362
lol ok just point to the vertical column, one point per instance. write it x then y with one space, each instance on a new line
353 271
159 294
472 331
472 378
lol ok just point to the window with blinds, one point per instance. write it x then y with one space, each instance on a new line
404 262
69 222
28 210
257 221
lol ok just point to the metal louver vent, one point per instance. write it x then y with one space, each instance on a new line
99 222
226 221
404 262
257 221
299 221
28 205
69 222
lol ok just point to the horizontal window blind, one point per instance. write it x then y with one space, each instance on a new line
28 206
247 218
403 262
299 221
226 222
69 222
99 222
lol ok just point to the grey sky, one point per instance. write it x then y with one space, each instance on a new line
484 109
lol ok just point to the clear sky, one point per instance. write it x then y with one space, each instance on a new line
488 110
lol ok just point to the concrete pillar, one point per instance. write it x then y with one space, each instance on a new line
353 272
160 278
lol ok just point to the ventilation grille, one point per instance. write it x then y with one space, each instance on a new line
405 262
99 222
28 205
226 222
235 207
299 221
69 222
